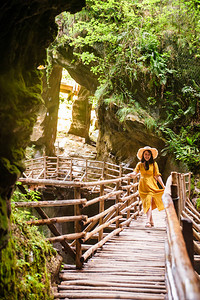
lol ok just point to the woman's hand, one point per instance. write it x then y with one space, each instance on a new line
160 181
132 175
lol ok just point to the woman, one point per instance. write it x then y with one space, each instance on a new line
149 192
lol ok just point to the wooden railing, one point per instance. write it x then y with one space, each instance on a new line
182 280
69 169
116 204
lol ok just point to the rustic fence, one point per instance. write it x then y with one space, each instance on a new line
118 201
118 204
182 281
70 169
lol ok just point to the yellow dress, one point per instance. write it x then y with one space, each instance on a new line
148 188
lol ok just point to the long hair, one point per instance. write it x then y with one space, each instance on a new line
147 163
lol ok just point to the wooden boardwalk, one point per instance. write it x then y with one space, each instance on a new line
129 266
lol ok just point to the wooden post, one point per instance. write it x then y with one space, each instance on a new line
78 228
135 189
45 167
57 167
174 193
71 168
188 237
86 169
120 170
180 192
58 149
135 207
189 184
103 171
128 201
101 209
184 195
117 201
32 167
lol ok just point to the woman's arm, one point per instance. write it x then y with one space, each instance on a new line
132 175
159 178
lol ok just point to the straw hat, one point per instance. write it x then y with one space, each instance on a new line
154 152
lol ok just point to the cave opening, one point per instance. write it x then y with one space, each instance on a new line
69 97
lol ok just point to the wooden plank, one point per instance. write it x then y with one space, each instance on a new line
140 289
128 266
137 284
107 295
99 244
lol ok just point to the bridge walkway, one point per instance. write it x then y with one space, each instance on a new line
129 266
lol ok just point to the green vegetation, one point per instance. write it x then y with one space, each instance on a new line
184 146
23 267
197 196
146 56
198 204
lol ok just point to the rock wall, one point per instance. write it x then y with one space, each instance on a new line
27 29
81 114
119 142
45 129
81 73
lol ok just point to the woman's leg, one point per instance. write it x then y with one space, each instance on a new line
149 216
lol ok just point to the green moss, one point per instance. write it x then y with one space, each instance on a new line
11 168
198 204
192 186
23 267
3 221
198 184
21 97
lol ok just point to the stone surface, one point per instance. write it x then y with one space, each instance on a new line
121 141
81 114
50 96
27 29
79 72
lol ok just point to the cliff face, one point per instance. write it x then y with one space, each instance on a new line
81 114
121 141
27 29
45 129
118 141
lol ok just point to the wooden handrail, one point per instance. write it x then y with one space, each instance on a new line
58 220
65 168
181 278
86 228
55 182
50 203
182 281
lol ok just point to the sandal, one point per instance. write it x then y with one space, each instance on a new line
148 225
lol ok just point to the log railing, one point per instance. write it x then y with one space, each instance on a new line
185 209
69 169
182 280
116 205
